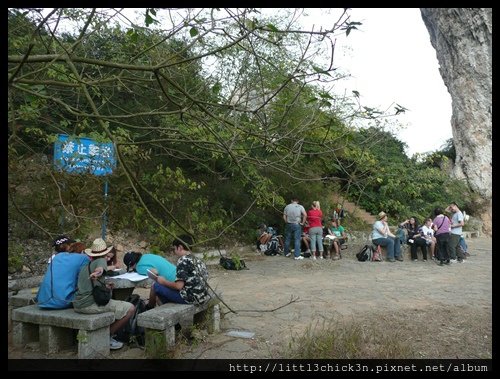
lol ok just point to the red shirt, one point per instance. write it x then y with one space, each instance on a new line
314 217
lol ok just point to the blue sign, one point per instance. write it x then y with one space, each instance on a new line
84 155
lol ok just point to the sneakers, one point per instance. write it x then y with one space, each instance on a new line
400 258
425 260
314 257
453 261
415 260
114 344
321 257
299 258
391 260
288 254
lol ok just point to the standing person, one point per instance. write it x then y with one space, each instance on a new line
190 283
441 226
58 286
381 235
457 221
294 216
315 217
84 300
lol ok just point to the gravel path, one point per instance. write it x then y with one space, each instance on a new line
326 289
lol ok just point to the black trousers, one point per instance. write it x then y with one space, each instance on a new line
442 244
418 242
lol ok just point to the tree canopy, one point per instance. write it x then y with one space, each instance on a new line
217 116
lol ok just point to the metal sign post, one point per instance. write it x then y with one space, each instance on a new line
83 155
104 215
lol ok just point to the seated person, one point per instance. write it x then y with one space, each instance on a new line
382 236
263 237
190 284
428 234
415 238
112 260
84 300
141 263
340 238
58 286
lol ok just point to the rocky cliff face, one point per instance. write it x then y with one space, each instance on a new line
462 38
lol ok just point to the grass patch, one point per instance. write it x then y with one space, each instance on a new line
340 339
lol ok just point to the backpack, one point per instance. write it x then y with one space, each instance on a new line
365 254
131 332
232 264
272 246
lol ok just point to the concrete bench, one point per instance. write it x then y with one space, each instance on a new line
165 317
22 298
55 329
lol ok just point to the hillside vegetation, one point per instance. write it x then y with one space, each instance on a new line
217 118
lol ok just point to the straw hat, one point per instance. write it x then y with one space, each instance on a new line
98 248
381 215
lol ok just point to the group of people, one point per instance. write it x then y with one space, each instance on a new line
442 235
74 271
307 230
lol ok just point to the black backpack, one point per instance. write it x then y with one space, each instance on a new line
272 246
365 254
131 332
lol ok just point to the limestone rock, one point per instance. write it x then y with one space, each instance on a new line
462 38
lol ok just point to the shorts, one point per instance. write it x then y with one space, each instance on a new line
118 307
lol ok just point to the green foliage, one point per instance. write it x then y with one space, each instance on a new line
213 137
15 257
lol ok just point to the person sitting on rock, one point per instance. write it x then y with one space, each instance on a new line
341 237
382 236
263 237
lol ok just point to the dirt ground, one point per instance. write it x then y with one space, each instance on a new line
444 312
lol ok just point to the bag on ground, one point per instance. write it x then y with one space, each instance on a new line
131 332
272 246
231 264
365 254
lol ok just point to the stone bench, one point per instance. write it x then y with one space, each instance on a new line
165 317
22 298
56 329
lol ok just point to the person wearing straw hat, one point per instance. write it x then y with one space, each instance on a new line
84 301
382 236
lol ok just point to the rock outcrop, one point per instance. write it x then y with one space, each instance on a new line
462 38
